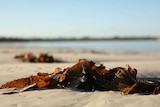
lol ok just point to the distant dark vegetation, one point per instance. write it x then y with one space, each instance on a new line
5 39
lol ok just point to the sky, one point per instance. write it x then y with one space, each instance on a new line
79 18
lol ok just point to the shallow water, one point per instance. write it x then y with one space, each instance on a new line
105 46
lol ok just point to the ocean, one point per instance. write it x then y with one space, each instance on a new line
103 46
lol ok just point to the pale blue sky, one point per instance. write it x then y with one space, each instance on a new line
77 18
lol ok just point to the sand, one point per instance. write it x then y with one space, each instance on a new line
147 65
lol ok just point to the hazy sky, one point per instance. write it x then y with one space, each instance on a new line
77 18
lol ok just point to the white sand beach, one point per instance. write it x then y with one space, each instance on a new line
147 64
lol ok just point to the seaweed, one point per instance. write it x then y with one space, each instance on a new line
88 76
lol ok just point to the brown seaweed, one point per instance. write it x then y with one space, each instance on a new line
88 76
30 57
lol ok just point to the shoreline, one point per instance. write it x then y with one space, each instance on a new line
68 49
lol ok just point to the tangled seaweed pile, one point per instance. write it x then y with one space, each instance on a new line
88 76
30 57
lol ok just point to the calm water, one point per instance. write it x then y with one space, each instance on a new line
107 46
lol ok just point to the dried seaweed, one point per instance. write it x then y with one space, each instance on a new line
88 76
43 57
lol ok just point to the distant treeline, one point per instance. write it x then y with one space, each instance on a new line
5 39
